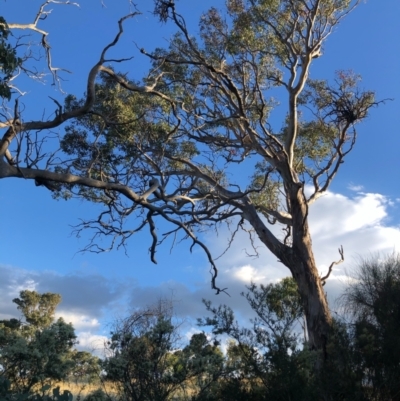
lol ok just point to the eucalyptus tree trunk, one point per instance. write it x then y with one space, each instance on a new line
299 258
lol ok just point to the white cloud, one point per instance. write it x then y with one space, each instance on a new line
80 322
360 224
355 188
92 343
247 274
335 215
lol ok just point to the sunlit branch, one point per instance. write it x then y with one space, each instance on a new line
341 260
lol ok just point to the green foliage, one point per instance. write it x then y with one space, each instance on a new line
342 104
86 367
142 364
9 61
38 309
267 358
268 362
213 82
373 299
7 394
203 363
35 353
147 365
224 78
121 128
278 309
265 191
340 376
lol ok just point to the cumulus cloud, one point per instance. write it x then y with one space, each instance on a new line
337 215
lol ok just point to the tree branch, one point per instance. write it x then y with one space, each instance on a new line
341 260
17 126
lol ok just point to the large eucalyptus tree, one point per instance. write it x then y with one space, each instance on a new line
163 149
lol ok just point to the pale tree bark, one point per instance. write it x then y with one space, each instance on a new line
299 258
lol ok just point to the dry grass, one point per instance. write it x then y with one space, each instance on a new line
81 390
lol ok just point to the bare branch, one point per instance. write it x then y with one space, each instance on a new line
341 260
154 236
42 14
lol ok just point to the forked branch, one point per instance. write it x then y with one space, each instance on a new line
341 260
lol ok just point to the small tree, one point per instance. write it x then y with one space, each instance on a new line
373 300
203 363
86 367
141 362
35 353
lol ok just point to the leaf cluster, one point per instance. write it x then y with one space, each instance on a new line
9 62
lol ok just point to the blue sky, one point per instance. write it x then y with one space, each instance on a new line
37 249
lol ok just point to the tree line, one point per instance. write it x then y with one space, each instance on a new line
268 359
